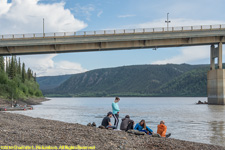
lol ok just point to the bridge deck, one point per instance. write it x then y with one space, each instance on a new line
20 44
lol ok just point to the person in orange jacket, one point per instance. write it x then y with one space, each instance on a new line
162 128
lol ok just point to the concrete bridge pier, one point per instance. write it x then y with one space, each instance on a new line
216 77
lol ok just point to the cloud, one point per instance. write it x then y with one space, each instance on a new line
187 55
84 11
23 16
190 55
99 13
126 16
4 6
44 65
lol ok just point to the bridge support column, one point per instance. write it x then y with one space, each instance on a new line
216 77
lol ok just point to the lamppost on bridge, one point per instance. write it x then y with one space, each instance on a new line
167 21
43 27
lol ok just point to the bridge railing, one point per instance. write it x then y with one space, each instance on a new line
112 32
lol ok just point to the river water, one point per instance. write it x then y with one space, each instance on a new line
184 119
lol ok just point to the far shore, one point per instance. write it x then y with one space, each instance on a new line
22 130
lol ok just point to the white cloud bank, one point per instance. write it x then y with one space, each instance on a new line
25 16
187 55
44 65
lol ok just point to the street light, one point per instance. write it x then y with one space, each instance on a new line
43 27
167 21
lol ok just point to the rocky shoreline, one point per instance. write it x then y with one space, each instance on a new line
30 101
22 130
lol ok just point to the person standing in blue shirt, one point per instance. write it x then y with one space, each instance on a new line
141 126
115 111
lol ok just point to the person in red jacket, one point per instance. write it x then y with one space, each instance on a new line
162 128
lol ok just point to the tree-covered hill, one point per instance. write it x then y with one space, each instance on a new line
15 81
139 80
192 83
50 82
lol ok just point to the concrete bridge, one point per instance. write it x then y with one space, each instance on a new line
212 35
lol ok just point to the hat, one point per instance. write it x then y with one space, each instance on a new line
109 113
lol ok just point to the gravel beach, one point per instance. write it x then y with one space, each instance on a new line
30 101
21 130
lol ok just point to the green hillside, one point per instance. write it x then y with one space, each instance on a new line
50 82
16 82
139 80
192 83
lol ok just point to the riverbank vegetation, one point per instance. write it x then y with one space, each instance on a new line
17 82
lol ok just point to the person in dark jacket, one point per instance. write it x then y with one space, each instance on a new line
126 123
106 122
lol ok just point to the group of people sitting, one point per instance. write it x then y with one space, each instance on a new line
128 124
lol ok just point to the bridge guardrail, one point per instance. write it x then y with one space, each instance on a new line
111 32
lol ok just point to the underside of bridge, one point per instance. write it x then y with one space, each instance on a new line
216 77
